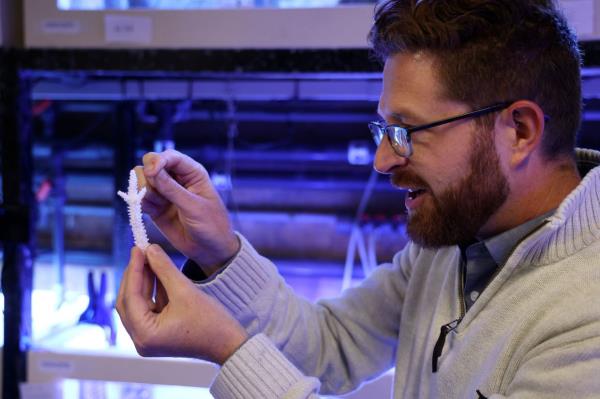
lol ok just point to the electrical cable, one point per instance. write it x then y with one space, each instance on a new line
366 196
356 241
232 133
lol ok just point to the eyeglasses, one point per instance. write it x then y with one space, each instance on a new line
399 136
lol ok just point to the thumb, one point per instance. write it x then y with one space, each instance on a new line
165 270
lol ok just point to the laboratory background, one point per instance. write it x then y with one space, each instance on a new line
273 97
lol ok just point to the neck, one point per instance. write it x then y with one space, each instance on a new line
532 195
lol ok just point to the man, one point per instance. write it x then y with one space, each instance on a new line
498 293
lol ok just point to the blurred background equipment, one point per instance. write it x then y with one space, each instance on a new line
272 97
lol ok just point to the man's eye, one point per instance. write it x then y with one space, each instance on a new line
402 125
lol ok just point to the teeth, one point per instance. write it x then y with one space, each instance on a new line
414 192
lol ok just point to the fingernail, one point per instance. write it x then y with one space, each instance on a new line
152 249
150 168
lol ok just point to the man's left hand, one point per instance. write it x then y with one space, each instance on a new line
181 320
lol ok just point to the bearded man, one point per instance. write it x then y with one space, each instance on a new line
497 294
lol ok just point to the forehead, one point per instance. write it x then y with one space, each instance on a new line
411 86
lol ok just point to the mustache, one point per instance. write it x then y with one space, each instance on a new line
406 179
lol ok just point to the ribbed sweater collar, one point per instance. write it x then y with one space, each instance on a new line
576 222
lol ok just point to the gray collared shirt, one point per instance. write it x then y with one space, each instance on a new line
482 259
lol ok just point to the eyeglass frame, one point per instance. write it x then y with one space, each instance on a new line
379 129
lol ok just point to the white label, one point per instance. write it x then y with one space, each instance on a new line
61 27
580 15
60 367
126 29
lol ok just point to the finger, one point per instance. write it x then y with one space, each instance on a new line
154 204
139 172
123 283
180 167
175 163
182 181
133 298
148 285
166 272
174 192
135 279
153 201
131 306
161 296
133 257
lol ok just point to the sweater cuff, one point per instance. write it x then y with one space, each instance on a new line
192 271
259 370
240 283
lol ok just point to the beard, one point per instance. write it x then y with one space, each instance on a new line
455 216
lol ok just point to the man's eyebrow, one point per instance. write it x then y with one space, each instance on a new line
402 116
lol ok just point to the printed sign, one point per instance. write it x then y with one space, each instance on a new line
60 367
61 27
127 29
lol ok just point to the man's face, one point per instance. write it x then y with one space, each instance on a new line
454 177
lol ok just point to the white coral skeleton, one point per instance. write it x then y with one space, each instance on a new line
133 198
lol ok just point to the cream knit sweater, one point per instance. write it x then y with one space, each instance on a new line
533 333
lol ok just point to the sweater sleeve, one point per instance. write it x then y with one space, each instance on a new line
342 342
259 370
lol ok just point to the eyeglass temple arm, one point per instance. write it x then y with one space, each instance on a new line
471 114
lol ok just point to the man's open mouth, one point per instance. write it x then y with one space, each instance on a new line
414 193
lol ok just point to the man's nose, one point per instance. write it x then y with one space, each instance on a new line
386 158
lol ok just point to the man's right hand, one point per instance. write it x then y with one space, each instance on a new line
187 209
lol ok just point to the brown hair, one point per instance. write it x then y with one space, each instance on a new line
489 51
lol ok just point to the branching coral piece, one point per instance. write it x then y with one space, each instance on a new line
133 198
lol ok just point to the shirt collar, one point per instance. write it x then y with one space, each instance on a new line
500 246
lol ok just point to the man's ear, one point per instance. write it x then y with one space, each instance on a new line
523 126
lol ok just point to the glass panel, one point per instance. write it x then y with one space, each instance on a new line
198 4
